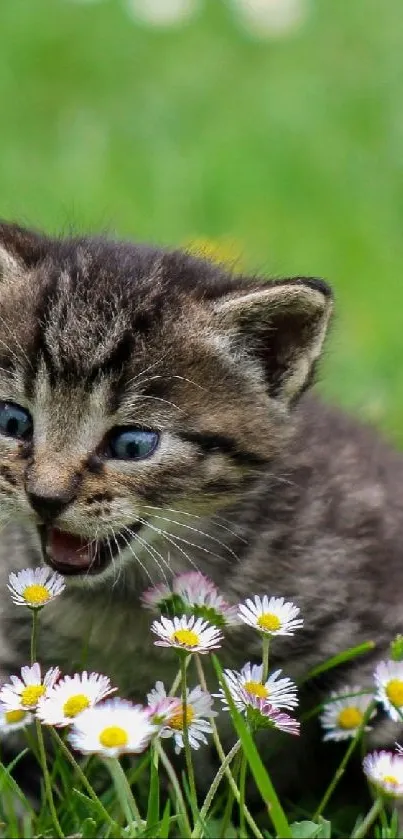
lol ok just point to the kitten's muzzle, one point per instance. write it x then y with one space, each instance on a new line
71 554
49 507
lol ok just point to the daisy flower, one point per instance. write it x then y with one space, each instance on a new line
281 693
270 616
202 598
113 728
13 720
157 597
385 771
262 714
345 712
71 696
191 634
198 714
24 693
160 706
389 683
34 587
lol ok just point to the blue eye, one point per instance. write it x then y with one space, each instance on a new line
15 421
132 443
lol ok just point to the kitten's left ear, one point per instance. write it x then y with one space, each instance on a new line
19 249
283 324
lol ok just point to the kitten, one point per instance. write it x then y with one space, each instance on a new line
151 421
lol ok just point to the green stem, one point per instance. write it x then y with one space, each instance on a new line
177 680
342 766
34 635
125 795
84 780
47 782
175 783
242 784
213 789
188 754
372 814
229 805
265 656
221 754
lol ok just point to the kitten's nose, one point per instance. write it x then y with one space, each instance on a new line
49 507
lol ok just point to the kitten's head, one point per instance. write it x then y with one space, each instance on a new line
136 383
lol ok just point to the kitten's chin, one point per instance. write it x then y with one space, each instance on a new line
74 556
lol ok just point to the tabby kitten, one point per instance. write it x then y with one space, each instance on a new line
151 421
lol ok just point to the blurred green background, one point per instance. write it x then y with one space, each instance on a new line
286 150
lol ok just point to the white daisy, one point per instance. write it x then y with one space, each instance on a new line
271 616
262 714
385 771
35 587
389 682
160 706
281 693
24 693
198 714
344 713
113 728
191 634
71 696
162 12
13 720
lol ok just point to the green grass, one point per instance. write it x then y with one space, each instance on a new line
290 147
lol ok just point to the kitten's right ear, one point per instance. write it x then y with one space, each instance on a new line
20 249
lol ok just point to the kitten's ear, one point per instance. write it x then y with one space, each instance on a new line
20 249
284 324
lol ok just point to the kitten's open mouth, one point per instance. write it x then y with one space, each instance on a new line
69 553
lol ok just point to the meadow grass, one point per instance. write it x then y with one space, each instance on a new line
287 153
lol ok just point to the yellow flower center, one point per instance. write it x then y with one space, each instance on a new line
349 718
394 692
75 704
269 622
390 779
257 689
31 694
36 595
14 716
186 637
113 737
178 718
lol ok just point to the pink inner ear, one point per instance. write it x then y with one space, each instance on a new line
69 549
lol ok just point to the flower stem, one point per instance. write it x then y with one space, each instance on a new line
84 780
265 656
125 795
372 814
34 635
47 782
213 789
342 766
188 755
221 754
175 783
177 680
242 783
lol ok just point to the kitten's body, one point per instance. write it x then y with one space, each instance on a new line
300 502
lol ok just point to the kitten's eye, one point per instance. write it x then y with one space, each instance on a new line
132 443
15 421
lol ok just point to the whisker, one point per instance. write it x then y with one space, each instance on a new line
151 551
201 532
167 537
132 551
196 516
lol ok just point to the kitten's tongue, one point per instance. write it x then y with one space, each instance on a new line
67 549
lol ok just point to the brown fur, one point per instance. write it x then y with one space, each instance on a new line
260 489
